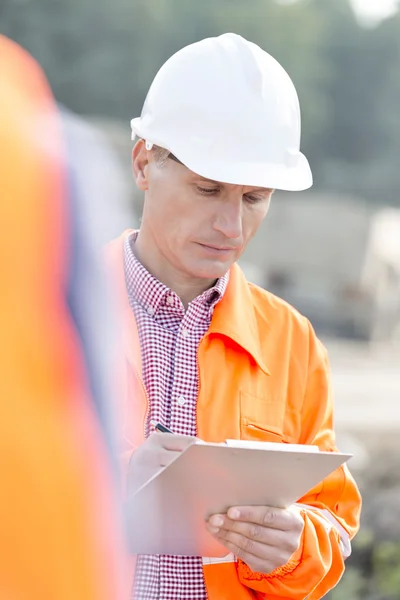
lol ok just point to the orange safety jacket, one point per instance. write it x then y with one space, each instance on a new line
263 375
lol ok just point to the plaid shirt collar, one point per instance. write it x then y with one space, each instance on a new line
144 288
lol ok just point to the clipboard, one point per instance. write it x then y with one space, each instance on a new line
167 514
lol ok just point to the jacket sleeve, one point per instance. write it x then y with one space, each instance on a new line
331 511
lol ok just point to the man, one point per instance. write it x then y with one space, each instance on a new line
206 352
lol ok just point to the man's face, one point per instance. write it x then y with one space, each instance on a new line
201 227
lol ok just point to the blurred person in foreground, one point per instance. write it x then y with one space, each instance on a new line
209 354
61 535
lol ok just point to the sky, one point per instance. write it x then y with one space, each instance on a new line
373 11
369 12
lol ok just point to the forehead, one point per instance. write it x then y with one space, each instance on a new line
219 184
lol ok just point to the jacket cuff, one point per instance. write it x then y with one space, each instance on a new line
311 572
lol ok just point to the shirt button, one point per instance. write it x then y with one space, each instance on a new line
181 400
150 310
170 300
184 332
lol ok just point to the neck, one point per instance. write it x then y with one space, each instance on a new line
185 287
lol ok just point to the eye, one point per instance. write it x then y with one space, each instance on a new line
254 199
207 191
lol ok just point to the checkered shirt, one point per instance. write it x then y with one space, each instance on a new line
169 337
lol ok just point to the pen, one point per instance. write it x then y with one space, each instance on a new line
160 427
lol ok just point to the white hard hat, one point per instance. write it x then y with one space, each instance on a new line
229 112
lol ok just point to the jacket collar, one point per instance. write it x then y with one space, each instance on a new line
234 316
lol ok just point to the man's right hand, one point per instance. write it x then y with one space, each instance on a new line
156 452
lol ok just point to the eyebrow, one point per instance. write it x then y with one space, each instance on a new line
219 183
255 191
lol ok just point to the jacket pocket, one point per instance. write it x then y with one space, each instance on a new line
261 420
250 431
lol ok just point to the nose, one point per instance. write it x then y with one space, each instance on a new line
228 219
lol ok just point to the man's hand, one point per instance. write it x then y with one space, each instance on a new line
263 537
156 452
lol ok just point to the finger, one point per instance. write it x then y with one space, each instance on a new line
176 443
166 457
259 557
158 457
253 531
275 518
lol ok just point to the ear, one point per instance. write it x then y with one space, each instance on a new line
140 161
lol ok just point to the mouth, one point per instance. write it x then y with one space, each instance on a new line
218 249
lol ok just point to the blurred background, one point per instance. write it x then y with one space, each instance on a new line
333 252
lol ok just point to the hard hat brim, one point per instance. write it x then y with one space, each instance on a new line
295 176
263 175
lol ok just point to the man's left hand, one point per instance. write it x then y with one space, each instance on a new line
263 537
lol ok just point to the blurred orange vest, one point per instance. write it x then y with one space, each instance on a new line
59 526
